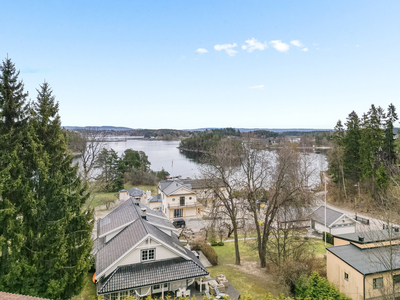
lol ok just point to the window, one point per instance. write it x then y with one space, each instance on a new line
165 285
346 276
182 201
190 198
148 254
178 213
377 283
114 296
396 279
173 199
156 287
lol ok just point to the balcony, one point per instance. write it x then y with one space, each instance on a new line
183 205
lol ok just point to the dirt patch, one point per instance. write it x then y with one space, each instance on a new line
252 268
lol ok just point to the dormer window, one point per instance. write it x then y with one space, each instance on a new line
148 254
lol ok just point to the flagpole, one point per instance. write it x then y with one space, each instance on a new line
325 210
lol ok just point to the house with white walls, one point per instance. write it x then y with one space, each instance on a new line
336 221
138 254
188 198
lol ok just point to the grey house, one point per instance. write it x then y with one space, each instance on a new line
138 253
336 222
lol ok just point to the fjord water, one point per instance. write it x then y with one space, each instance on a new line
165 154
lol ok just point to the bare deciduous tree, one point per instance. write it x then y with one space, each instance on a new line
220 176
93 142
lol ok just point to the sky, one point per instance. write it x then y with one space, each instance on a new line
195 64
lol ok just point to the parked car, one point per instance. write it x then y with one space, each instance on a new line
179 223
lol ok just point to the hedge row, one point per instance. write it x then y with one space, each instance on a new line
207 250
329 237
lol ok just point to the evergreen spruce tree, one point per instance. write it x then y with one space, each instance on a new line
61 242
351 144
44 233
14 185
112 170
389 141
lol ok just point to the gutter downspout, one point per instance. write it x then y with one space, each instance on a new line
364 287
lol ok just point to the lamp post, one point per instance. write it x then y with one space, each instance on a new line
325 208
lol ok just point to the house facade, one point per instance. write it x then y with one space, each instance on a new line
365 265
138 253
187 198
336 222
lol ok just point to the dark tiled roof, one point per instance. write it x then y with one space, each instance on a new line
331 215
120 216
144 274
135 192
9 296
368 261
155 198
373 236
108 253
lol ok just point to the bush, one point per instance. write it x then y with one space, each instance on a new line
213 244
220 243
329 237
207 250
316 287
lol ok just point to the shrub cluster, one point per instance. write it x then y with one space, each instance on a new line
207 250
329 237
316 287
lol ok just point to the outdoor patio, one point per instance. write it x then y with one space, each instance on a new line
229 290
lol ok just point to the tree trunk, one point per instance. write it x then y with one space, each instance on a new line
237 254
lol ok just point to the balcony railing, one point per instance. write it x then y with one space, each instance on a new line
179 205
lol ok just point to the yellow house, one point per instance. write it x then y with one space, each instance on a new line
366 265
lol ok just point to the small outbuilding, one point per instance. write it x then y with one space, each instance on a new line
336 222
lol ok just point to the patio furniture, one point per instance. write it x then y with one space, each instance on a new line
221 279
207 293
218 293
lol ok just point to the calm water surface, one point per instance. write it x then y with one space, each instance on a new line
165 154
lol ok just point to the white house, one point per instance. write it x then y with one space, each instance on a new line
336 222
187 198
138 253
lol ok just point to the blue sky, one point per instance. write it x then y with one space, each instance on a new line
305 64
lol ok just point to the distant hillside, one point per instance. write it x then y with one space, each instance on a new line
97 127
268 129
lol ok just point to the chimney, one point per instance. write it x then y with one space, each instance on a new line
144 213
136 201
360 238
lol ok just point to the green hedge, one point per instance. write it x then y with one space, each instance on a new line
329 237
316 287
207 250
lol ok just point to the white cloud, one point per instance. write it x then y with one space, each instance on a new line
305 49
253 44
279 46
296 43
257 87
201 50
227 48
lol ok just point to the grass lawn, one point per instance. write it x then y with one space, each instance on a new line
249 278
89 291
98 199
